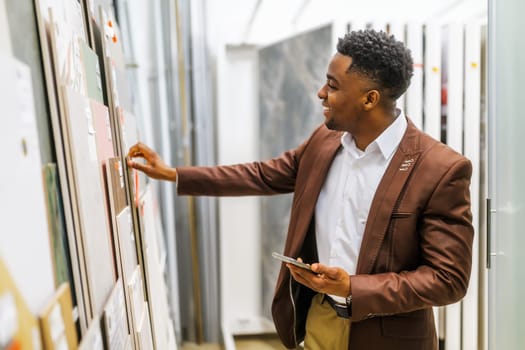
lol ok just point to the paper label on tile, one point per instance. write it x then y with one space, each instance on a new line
92 144
23 87
56 322
26 112
8 318
37 342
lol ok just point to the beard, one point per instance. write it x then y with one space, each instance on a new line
330 124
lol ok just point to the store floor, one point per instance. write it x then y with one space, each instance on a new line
242 343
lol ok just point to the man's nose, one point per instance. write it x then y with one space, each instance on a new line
322 92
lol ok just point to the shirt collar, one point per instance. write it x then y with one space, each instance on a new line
387 142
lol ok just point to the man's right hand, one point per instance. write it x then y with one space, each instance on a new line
154 166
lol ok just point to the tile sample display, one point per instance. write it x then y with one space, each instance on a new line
128 248
136 294
5 39
93 73
144 339
114 320
92 340
56 321
155 283
18 327
291 72
116 185
67 33
57 226
103 135
92 220
72 25
24 243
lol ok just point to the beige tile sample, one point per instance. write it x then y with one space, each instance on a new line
24 243
92 220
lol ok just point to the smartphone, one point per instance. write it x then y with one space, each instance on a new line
293 261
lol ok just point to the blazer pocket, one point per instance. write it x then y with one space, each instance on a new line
401 215
412 325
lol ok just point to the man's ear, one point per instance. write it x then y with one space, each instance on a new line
372 99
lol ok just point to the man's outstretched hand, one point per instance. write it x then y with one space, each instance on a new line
154 166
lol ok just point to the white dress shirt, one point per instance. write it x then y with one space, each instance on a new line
342 208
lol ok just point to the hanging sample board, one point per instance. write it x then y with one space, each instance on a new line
5 39
414 94
136 297
61 29
115 322
56 321
103 134
57 226
452 114
432 70
92 340
18 327
24 238
156 288
472 115
93 74
92 219
116 185
397 29
127 243
144 340
123 123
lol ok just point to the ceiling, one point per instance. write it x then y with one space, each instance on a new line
266 21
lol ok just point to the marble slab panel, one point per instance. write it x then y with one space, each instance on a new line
290 74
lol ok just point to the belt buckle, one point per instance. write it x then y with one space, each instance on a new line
340 310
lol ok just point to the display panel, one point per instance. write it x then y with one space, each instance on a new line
92 218
22 189
289 112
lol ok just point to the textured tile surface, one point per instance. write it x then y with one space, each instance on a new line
290 73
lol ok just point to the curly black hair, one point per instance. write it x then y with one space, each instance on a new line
379 57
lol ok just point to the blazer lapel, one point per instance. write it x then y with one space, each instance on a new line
304 201
387 193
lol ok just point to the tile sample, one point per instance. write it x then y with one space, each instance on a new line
93 73
56 321
116 185
57 226
92 340
5 38
24 244
19 328
153 263
128 248
92 220
114 320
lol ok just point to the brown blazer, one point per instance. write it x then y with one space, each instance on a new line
417 246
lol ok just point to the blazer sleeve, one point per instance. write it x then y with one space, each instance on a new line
275 176
446 235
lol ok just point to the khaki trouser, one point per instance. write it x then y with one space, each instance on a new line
324 329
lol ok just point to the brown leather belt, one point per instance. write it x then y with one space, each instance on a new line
340 309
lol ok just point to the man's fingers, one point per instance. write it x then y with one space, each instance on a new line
140 150
311 280
330 272
138 166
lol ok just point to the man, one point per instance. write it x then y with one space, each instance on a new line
382 207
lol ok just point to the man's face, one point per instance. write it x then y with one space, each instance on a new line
343 95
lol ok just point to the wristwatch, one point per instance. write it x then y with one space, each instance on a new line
349 305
